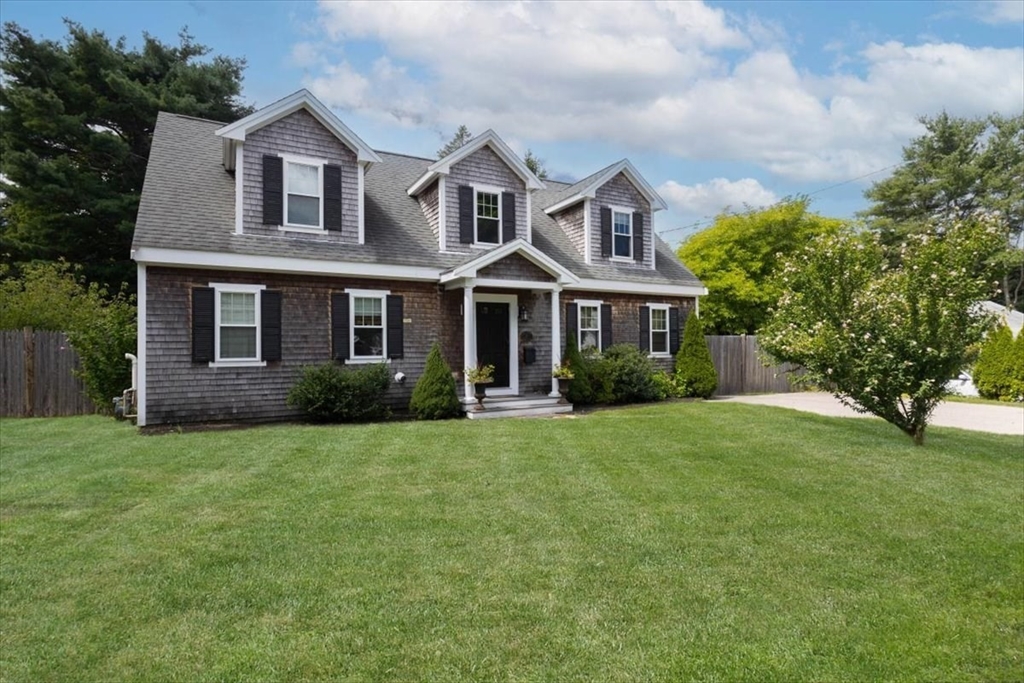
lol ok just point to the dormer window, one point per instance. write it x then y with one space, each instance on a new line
488 217
303 205
622 229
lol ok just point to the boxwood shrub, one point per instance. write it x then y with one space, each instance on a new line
334 393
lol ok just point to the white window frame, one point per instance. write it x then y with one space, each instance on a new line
667 353
486 189
629 216
580 303
231 288
305 161
381 294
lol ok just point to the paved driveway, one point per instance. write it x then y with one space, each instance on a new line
975 416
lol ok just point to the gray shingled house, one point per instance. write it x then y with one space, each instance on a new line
283 240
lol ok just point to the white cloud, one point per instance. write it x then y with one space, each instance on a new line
716 195
682 78
1000 11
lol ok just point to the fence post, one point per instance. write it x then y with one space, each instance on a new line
29 341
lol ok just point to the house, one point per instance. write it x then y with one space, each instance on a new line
283 240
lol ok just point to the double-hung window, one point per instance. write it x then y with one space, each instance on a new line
237 323
488 216
659 329
368 325
622 234
589 325
303 193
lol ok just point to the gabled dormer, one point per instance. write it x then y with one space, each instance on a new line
479 196
609 216
298 172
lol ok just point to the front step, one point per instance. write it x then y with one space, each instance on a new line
517 406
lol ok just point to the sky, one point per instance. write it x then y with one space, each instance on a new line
718 104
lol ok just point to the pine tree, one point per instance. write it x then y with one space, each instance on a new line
581 391
695 371
994 368
461 137
435 396
535 165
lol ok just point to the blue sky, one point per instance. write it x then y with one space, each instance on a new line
718 104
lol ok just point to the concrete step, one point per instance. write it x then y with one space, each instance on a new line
507 402
492 412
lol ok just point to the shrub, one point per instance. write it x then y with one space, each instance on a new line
631 373
1017 379
333 393
993 372
667 386
580 390
694 368
435 396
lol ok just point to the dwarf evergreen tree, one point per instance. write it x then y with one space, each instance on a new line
993 372
695 371
580 389
435 396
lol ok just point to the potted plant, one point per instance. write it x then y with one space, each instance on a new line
480 377
563 373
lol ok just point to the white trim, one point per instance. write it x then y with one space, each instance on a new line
485 189
468 338
513 339
587 239
556 341
603 176
629 216
653 240
140 345
320 228
442 213
529 216
523 248
232 288
589 303
186 258
290 104
239 189
361 173
516 284
489 138
667 353
306 230
382 295
624 287
696 308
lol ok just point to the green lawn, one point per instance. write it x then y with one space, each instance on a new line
681 541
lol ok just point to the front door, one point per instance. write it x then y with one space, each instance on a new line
492 347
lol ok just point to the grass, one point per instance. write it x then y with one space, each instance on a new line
688 541
956 398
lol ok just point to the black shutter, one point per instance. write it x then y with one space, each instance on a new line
508 216
606 326
339 327
396 329
202 324
571 323
467 212
273 190
606 231
673 330
638 236
645 328
270 324
332 197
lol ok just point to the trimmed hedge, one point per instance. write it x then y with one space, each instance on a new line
435 396
695 371
334 393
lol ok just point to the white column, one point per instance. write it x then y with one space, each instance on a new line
556 341
468 337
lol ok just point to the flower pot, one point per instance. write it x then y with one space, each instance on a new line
563 386
479 393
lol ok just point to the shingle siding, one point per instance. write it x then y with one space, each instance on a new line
482 167
516 267
573 222
302 135
180 391
431 208
620 192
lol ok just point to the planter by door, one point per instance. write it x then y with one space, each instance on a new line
492 340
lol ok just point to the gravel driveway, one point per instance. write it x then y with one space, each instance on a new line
974 416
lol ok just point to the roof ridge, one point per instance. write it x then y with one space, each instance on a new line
191 118
403 154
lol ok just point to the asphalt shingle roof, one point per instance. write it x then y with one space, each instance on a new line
188 203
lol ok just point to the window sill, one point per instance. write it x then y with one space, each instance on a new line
621 259
299 228
238 364
367 361
664 354
485 245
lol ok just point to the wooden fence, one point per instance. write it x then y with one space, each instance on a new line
740 371
37 376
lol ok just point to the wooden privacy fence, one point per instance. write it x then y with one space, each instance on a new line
37 376
738 362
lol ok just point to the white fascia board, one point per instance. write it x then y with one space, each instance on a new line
423 182
626 167
564 204
618 286
288 105
183 258
491 139
239 188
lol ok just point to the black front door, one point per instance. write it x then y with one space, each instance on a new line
492 340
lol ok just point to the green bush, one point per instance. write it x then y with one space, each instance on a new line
101 327
333 393
580 390
435 396
994 369
667 385
631 374
694 368
1017 379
